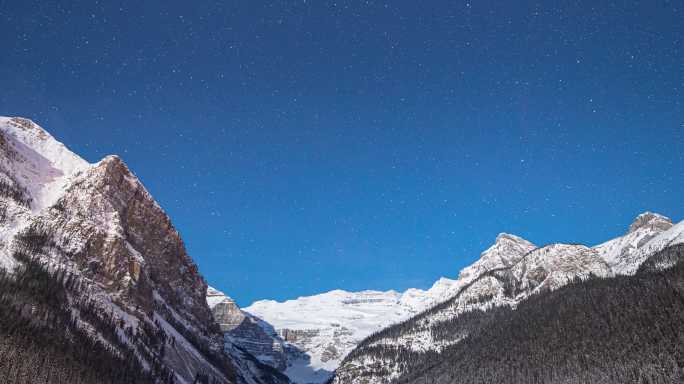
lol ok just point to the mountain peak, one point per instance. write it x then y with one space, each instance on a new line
38 162
112 159
506 251
650 220
25 125
503 237
114 168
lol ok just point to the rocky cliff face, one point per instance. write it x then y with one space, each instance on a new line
121 238
247 332
100 224
224 309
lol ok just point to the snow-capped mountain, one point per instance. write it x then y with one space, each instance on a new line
101 237
327 326
488 284
308 337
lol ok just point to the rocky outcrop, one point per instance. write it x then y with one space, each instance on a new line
224 309
652 221
301 336
625 253
244 331
506 251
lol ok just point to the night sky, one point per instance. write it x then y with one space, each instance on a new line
303 146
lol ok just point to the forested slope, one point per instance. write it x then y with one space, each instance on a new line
41 341
626 329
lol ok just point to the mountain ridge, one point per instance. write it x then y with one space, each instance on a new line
504 286
539 268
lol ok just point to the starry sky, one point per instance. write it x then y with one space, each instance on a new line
303 146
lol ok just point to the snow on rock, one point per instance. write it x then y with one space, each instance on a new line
226 312
215 297
507 250
624 254
34 171
247 332
673 236
40 163
553 266
653 221
418 299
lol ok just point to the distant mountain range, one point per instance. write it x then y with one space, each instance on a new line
96 287
309 338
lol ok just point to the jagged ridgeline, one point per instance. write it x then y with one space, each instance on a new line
622 329
96 285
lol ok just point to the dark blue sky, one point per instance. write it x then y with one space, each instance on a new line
302 146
